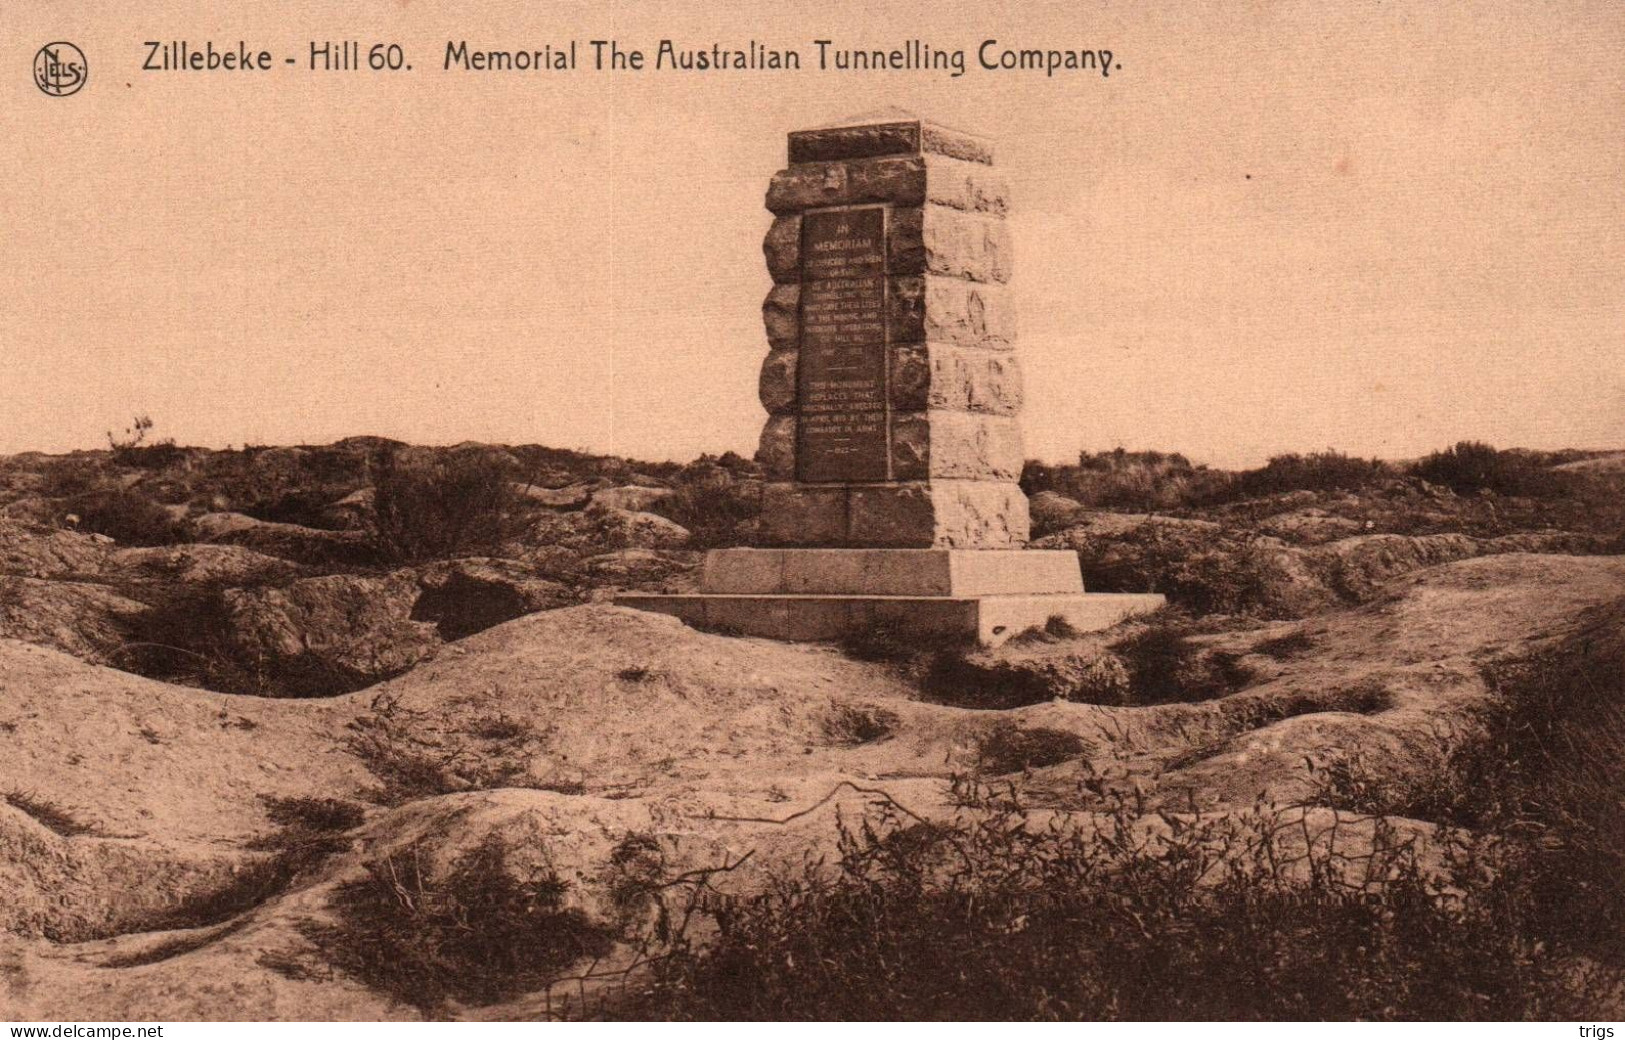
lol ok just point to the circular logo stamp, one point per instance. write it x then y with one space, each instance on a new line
60 69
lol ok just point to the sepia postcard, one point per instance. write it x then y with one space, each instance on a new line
736 512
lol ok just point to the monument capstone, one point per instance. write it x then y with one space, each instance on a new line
892 448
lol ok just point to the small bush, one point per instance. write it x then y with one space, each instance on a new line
1317 471
853 724
443 507
1473 466
478 935
1138 481
127 517
1009 748
133 450
1164 666
718 504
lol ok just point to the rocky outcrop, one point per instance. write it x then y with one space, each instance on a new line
34 551
632 498
600 528
91 622
171 568
341 632
1211 567
293 541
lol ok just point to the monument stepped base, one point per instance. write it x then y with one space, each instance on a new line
944 594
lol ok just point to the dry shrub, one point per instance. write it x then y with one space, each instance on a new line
51 815
853 724
442 507
1010 748
127 517
1165 666
477 935
413 754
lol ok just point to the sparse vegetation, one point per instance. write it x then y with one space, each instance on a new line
1542 769
441 507
127 517
1010 748
998 916
852 724
50 815
1473 466
484 930
413 754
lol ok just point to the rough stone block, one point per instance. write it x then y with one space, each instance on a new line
801 514
894 181
969 379
936 309
891 572
969 186
781 314
899 181
776 385
776 451
955 445
869 140
975 514
895 516
782 248
990 620
946 241
946 514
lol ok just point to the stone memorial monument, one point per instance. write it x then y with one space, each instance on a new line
892 448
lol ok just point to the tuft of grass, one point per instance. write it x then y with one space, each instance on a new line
476 935
414 755
853 724
50 815
1287 647
1009 748
1165 667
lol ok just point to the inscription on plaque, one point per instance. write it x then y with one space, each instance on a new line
843 423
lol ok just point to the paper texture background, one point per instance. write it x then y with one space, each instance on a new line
1274 227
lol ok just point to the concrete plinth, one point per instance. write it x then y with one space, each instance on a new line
941 594
988 620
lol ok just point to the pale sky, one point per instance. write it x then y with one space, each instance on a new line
1278 227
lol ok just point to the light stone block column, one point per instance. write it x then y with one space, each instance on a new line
937 452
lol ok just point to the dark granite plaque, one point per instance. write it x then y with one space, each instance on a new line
843 425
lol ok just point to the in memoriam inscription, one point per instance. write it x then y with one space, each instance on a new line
844 428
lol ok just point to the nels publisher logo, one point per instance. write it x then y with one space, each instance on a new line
60 69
